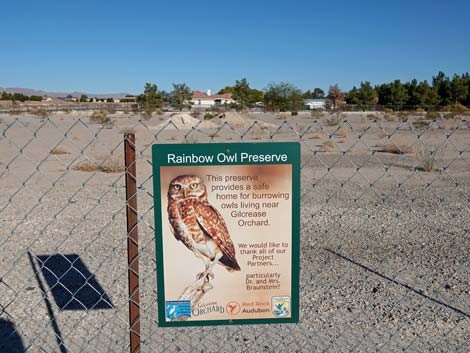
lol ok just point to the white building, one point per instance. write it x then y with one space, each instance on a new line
208 100
315 104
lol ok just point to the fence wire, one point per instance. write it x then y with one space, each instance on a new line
385 221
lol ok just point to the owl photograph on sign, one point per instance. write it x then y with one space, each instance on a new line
202 229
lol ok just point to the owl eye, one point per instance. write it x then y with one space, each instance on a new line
176 186
193 185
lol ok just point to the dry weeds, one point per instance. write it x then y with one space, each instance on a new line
396 148
328 146
342 132
106 164
59 151
427 157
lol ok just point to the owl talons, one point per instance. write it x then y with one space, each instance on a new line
206 287
208 275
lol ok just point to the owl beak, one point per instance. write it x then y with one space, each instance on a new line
184 193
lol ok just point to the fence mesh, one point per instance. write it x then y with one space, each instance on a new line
385 221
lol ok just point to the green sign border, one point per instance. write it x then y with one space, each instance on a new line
159 158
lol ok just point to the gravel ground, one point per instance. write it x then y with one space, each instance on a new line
384 245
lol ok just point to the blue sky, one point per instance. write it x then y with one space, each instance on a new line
104 46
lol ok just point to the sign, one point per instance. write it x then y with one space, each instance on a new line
227 220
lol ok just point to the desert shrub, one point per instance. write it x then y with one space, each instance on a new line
332 121
372 116
456 108
105 164
59 151
343 132
427 157
390 117
433 115
395 148
294 113
316 113
450 115
147 114
195 114
99 117
421 123
328 146
209 116
388 110
420 110
40 112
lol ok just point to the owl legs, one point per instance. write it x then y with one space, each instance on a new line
208 274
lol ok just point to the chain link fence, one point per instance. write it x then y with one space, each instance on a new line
385 244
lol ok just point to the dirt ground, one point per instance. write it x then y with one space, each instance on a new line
385 220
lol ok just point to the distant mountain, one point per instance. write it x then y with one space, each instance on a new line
34 92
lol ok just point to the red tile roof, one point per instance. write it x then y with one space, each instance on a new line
202 95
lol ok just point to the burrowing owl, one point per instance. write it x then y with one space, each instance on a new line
199 225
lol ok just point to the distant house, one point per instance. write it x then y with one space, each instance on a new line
315 104
208 100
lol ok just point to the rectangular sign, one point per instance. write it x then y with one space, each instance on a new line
227 219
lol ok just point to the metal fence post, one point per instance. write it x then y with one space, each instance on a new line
132 242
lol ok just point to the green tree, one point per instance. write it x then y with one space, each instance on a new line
180 96
428 95
443 86
151 98
367 94
317 93
35 98
459 89
398 93
83 98
415 98
227 89
243 93
283 96
335 95
352 97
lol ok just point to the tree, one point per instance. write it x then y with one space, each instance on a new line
398 93
317 93
367 94
227 89
459 89
283 96
151 99
443 86
243 93
335 95
109 100
83 98
430 97
352 97
180 96
415 98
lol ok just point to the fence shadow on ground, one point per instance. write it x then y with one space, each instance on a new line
10 340
72 285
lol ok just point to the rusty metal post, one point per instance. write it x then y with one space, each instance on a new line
132 242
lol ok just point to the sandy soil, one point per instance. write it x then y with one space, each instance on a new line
384 243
